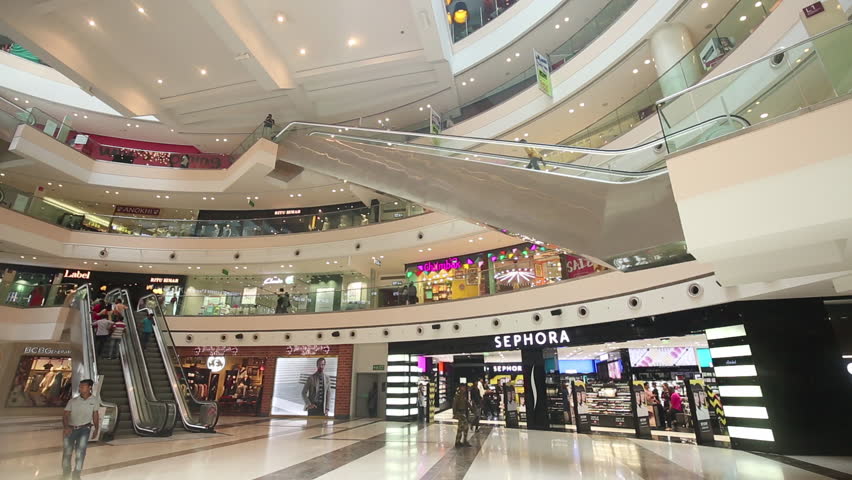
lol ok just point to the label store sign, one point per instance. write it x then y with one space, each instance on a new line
78 274
531 339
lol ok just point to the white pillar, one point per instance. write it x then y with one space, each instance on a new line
670 44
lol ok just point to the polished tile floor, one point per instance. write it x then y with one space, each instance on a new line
248 448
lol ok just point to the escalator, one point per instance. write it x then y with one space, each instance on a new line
168 379
602 203
126 384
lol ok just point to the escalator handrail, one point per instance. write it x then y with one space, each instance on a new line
90 362
131 346
170 366
508 143
661 102
585 168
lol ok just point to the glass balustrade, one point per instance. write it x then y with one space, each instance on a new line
50 211
809 73
736 26
25 295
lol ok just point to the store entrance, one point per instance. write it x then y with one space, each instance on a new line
662 388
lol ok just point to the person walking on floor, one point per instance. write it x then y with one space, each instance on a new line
78 421
283 304
461 409
412 293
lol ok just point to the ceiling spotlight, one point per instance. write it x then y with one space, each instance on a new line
508 59
212 198
128 124
289 266
167 196
16 99
758 4
203 71
517 54
160 81
107 191
428 105
705 5
171 129
582 104
743 18
647 61
472 80
302 51
526 134
140 10
224 139
217 139
298 194
75 114
352 42
92 23
158 196
464 84
570 110
280 18
764 115
635 70
387 119
85 116
566 19
557 26
204 198
137 125
517 139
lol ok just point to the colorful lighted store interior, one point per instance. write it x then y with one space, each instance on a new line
258 294
603 375
482 273
235 382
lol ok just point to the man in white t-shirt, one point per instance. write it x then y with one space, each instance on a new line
103 329
80 418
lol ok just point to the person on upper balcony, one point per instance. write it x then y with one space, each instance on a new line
536 159
268 124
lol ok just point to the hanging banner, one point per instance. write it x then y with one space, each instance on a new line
542 71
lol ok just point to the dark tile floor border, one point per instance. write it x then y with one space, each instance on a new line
807 466
189 451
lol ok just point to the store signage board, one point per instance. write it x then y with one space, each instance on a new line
288 212
164 280
515 341
505 368
448 264
542 69
813 9
216 364
34 350
78 274
131 210
215 351
273 281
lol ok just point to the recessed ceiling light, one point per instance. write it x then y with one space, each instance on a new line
647 61
291 195
526 134
566 19
517 139
60 185
472 79
570 110
137 125
333 190
420 250
582 104
705 5
217 139
428 105
168 196
757 102
635 70
190 268
289 266
256 198
92 23
212 198
557 26
204 198
743 18
508 59
203 71
224 139
26 101
764 115
16 99
141 9
128 124
95 263
387 119
107 191
85 116
352 42
480 238
75 114
171 129
160 81
748 111
280 18
50 183
159 196
302 51
758 4
464 84
298 194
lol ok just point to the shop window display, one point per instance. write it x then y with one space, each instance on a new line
300 377
235 382
41 382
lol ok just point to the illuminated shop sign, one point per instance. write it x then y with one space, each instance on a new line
32 350
216 364
164 280
288 212
448 264
150 211
308 350
216 351
531 339
501 368
78 274
273 281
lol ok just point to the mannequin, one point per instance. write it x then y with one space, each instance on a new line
216 230
227 231
365 220
326 224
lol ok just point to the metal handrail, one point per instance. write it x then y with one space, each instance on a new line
151 301
749 64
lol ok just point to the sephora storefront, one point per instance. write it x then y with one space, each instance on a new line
715 376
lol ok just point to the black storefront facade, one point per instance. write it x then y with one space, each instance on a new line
779 363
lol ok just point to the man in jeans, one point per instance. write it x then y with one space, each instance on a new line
316 391
80 417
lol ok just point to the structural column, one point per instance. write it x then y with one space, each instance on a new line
670 43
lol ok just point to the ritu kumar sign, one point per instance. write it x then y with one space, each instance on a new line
531 339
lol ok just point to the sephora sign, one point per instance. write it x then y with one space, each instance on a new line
549 338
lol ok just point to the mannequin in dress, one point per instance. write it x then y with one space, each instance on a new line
326 224
365 220
215 230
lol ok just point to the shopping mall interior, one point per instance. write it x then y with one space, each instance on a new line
425 239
